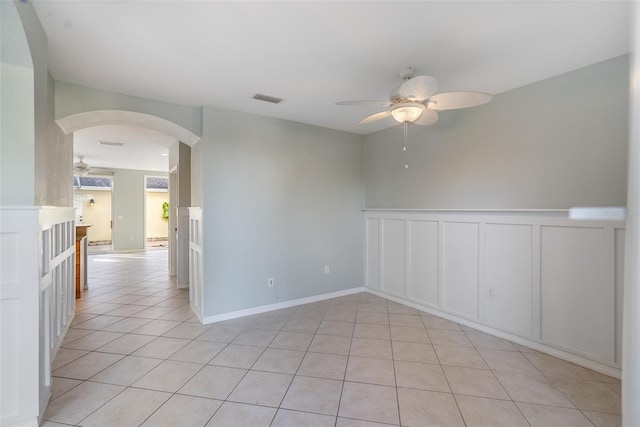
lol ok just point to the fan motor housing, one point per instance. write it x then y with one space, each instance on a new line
394 95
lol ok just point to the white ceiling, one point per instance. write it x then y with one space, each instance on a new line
144 149
314 53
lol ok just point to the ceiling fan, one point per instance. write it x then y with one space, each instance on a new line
80 168
417 100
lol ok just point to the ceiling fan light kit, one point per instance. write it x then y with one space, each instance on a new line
407 111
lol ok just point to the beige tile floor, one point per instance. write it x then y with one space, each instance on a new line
136 356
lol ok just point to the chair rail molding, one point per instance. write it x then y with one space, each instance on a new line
534 276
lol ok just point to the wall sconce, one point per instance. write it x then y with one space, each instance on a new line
92 203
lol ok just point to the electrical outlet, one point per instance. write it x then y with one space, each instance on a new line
326 269
270 283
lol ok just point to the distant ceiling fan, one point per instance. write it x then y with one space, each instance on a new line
80 168
417 101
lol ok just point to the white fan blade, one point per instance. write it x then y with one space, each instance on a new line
365 102
418 88
374 117
427 118
456 100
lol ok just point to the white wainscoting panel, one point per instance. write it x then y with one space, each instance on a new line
393 256
619 272
57 287
460 268
532 274
422 283
182 244
508 277
19 328
373 253
578 291
196 285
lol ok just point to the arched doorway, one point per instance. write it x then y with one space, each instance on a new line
179 168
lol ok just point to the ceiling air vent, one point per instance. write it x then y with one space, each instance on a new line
115 144
267 98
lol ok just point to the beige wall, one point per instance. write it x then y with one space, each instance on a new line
99 216
156 225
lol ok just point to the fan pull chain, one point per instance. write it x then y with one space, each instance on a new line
404 148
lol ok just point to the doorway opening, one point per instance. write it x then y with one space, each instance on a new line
92 199
173 224
157 210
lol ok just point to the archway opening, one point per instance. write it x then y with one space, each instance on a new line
129 147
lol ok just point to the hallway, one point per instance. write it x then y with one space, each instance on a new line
136 355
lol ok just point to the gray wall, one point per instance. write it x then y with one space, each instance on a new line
74 99
282 200
44 147
197 194
184 175
36 156
128 208
557 143
17 146
38 47
36 164
180 156
54 160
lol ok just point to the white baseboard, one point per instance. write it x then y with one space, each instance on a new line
590 364
277 306
46 397
32 422
197 312
54 352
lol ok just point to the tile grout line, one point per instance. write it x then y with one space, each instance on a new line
445 375
393 361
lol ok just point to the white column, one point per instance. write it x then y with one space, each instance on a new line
631 325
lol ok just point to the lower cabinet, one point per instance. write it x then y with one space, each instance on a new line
81 266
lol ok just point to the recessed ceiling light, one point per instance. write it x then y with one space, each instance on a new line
164 154
115 144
